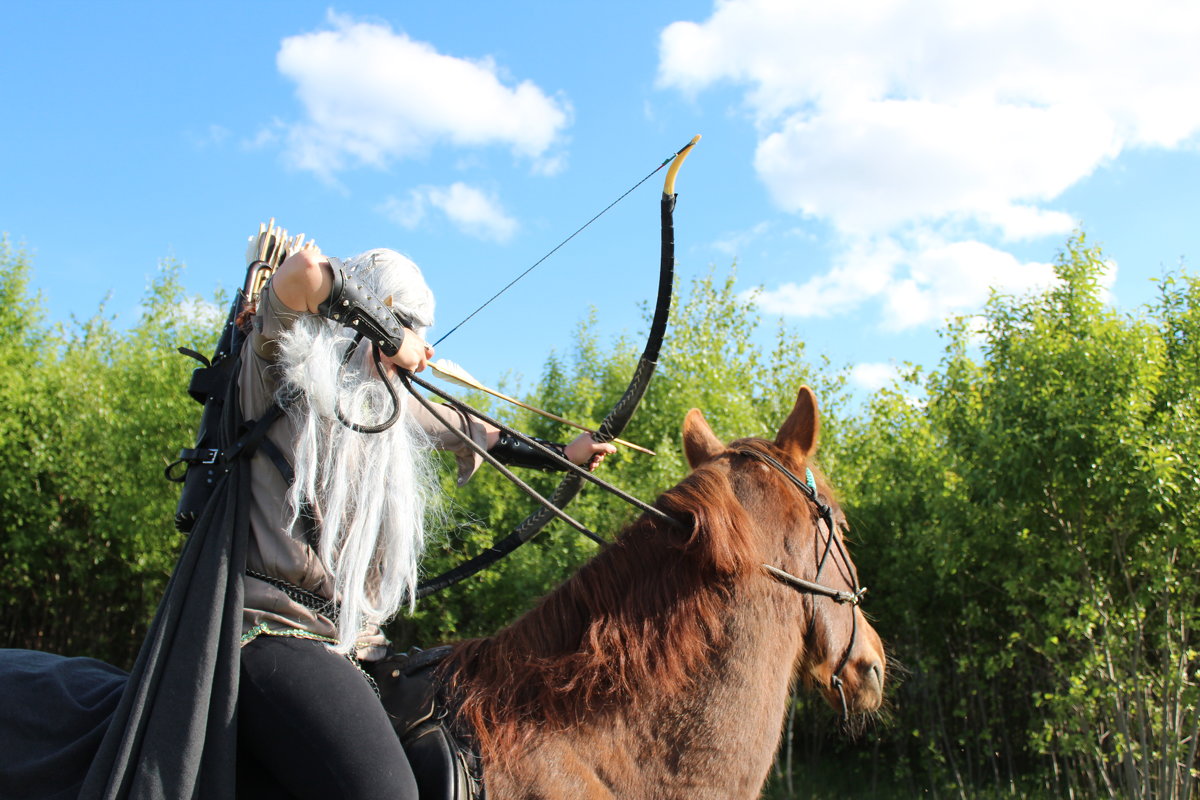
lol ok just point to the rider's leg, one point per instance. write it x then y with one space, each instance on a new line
312 719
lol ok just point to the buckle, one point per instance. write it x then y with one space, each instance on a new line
208 456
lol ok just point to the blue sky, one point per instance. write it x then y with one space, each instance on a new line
873 166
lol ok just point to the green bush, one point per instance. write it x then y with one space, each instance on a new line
1029 524
89 416
1025 515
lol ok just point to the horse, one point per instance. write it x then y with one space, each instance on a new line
663 667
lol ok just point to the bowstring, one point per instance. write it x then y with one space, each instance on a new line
578 231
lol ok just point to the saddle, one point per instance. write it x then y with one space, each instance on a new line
446 767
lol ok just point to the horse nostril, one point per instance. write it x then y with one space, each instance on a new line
872 676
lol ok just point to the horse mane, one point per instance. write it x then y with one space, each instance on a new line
627 628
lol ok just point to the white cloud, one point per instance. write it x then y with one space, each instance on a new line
407 212
873 376
866 270
945 279
1107 279
917 281
909 124
470 209
266 136
734 244
372 95
1028 222
877 165
549 166
473 211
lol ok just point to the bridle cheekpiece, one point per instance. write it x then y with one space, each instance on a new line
852 598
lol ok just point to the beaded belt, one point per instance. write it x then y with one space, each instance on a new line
310 600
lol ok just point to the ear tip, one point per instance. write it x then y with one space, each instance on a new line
699 442
799 431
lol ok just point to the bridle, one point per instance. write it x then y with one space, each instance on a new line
809 489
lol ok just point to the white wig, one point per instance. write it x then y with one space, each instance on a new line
369 494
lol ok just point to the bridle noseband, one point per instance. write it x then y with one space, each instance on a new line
853 598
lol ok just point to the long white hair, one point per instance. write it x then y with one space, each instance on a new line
370 495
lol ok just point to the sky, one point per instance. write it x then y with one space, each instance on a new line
871 166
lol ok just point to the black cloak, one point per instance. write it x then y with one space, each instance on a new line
76 727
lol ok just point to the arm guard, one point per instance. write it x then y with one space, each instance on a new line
353 306
514 452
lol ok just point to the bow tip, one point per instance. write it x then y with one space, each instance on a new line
676 163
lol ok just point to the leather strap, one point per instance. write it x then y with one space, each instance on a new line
514 452
351 304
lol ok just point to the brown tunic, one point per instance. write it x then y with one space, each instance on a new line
272 550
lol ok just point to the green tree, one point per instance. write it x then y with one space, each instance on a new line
1026 520
89 416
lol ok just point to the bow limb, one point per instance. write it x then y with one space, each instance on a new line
622 412
617 418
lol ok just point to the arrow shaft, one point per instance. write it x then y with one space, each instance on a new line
546 414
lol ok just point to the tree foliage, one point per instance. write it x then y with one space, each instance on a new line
1030 522
1025 515
89 416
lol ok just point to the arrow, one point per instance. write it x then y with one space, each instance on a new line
449 371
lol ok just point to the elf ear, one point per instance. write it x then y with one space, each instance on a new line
798 436
700 444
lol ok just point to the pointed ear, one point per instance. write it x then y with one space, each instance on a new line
798 436
699 443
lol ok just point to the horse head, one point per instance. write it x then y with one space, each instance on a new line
677 642
797 529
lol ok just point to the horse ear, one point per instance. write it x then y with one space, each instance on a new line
700 444
798 436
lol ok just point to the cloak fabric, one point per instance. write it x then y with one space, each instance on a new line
55 713
172 735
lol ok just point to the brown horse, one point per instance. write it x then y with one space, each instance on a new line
662 668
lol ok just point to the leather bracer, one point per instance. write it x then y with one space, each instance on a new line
352 305
513 452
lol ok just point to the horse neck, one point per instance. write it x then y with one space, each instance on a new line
706 724
736 707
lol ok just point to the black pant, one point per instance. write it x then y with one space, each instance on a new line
311 721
